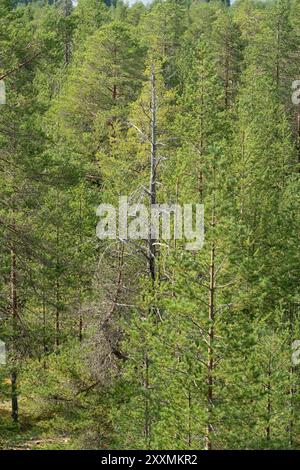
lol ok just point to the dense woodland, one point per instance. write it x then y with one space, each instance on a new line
122 345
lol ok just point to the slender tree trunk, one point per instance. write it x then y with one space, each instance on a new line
292 390
57 316
14 311
153 168
227 102
80 333
57 295
114 92
45 346
201 145
67 13
210 361
269 403
151 243
211 329
189 418
147 425
278 56
298 134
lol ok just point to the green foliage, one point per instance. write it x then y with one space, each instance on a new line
101 353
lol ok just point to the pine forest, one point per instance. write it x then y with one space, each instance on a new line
113 336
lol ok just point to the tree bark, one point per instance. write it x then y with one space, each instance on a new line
153 168
57 295
14 312
210 358
67 13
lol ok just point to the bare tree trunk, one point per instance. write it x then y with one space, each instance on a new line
147 425
190 418
211 329
14 311
151 243
298 134
67 13
80 334
292 391
227 101
45 346
278 56
57 316
269 403
210 358
57 296
153 168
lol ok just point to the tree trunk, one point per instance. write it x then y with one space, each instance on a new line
292 391
14 312
210 359
147 428
269 403
80 333
153 167
298 134
57 295
151 243
67 13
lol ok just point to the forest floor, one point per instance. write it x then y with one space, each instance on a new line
29 434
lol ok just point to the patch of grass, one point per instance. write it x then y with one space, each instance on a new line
29 434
